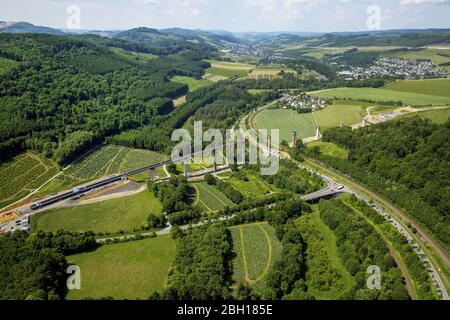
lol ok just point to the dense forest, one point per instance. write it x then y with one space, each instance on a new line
202 268
359 247
34 267
407 161
68 93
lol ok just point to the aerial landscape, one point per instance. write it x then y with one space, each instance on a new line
162 160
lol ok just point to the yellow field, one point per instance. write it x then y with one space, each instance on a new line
268 72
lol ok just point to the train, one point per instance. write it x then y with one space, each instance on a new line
81 190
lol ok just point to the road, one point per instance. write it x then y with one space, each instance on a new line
395 216
440 281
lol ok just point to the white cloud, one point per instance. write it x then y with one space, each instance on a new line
282 9
418 2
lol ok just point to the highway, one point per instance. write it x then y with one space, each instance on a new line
333 189
83 189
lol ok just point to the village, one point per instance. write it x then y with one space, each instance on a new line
302 102
394 68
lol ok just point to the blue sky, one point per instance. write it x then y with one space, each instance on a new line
233 15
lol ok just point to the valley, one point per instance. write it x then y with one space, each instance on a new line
87 176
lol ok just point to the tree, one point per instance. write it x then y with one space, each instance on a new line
172 168
156 221
210 179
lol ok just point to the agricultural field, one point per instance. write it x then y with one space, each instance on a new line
22 174
286 121
436 87
209 198
179 101
134 56
256 248
221 70
104 161
6 65
268 72
253 187
258 91
439 116
192 83
437 56
317 53
110 216
379 94
131 270
325 267
329 149
334 114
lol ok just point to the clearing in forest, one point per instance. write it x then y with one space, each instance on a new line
256 249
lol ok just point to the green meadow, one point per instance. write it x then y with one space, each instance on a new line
380 94
113 215
131 270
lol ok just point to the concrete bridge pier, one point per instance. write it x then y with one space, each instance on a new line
153 174
186 168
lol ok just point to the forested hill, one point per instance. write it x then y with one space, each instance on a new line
404 39
62 94
166 42
406 160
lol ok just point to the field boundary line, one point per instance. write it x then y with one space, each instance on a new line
88 161
244 258
269 260
107 165
113 159
199 200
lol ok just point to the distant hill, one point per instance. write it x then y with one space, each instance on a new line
212 37
172 41
100 33
25 27
404 38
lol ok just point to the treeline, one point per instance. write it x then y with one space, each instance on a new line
290 177
230 104
34 267
218 106
406 161
360 247
157 135
161 43
175 195
226 188
75 86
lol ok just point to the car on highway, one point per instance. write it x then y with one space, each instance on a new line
340 187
